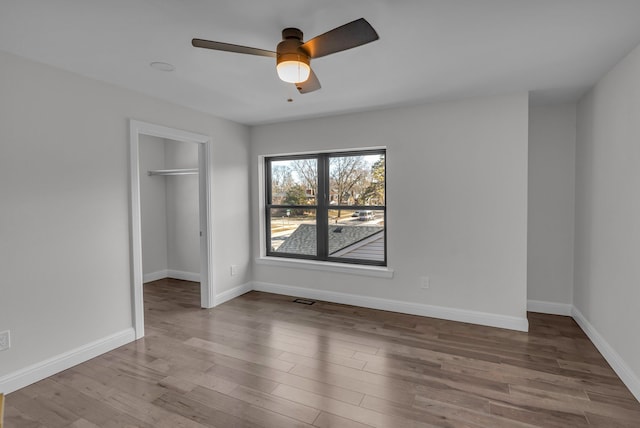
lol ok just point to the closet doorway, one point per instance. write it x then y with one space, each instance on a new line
170 170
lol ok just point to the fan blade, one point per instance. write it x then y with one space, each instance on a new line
309 85
351 35
228 47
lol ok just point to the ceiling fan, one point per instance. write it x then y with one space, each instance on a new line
293 56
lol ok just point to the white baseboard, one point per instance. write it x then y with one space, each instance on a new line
452 314
185 276
36 372
171 273
552 308
225 296
626 374
154 276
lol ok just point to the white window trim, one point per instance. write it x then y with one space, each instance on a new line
348 268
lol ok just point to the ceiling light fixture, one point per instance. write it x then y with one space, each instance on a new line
162 66
292 68
292 63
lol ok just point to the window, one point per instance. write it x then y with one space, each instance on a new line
327 206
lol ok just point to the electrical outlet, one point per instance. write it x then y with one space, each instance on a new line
234 270
424 282
5 340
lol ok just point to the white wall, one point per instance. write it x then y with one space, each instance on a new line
552 142
183 217
607 245
153 207
457 195
64 218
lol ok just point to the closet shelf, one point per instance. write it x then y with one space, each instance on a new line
184 171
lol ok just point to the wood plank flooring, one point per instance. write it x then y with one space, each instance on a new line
263 361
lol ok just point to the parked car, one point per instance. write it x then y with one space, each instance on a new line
366 215
355 214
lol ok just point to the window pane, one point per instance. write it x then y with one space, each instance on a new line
294 182
293 231
357 180
357 234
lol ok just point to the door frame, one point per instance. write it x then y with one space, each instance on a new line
207 286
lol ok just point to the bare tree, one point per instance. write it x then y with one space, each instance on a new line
346 174
350 178
307 170
374 193
281 180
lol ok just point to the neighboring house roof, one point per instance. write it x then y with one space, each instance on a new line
370 248
303 239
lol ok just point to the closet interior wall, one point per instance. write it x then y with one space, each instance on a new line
169 210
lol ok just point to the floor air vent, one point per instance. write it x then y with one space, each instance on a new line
304 301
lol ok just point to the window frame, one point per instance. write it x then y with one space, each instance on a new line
322 206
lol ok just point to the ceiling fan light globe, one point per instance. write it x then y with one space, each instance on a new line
293 71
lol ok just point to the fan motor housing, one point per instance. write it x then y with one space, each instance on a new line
291 33
289 48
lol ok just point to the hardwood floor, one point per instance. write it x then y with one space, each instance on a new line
263 361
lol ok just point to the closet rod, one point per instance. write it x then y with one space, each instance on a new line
186 171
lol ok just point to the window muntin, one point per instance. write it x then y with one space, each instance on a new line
328 206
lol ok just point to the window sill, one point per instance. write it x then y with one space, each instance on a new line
364 270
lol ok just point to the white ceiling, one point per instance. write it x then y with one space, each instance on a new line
428 49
